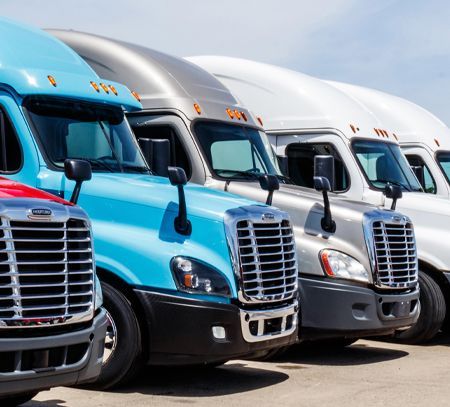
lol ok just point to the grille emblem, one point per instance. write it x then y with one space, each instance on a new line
40 213
267 216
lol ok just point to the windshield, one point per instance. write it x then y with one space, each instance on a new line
98 134
443 158
384 163
237 151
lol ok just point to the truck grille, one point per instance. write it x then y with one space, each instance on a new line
395 255
46 271
267 260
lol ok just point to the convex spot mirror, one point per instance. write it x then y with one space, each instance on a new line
270 183
393 192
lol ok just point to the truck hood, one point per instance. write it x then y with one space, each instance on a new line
157 192
12 189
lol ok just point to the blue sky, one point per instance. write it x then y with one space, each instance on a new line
399 46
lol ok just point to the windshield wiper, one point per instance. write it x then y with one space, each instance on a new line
399 184
245 174
138 168
96 163
284 178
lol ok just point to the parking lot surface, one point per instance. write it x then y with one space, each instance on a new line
368 373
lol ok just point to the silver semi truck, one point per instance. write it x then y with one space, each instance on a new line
349 287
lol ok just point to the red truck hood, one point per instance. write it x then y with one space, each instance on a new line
12 189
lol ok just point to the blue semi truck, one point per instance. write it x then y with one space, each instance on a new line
189 275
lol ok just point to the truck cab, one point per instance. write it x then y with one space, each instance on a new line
191 120
305 116
52 326
170 255
424 139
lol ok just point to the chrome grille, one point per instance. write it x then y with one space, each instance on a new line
46 271
267 260
395 254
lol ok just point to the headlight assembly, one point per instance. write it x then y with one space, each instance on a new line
340 265
196 277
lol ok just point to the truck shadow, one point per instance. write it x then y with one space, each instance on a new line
235 377
359 353
46 403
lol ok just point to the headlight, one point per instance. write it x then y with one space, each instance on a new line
98 294
196 277
340 265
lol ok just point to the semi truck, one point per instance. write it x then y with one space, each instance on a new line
189 275
189 119
424 140
52 326
304 117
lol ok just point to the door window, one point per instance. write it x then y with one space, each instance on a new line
10 150
301 164
428 184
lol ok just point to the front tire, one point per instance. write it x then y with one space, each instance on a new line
123 349
432 313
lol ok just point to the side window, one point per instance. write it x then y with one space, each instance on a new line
301 164
10 150
416 162
178 156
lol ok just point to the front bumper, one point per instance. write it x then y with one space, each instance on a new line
181 329
339 309
39 363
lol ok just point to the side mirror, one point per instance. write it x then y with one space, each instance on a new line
177 177
393 192
157 154
324 181
419 172
270 183
78 171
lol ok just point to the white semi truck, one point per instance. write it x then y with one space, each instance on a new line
305 117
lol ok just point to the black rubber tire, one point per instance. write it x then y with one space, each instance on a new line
432 313
17 400
125 361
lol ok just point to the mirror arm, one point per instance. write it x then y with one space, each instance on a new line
269 198
327 222
182 224
76 192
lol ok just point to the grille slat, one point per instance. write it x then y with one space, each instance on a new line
396 264
267 260
46 270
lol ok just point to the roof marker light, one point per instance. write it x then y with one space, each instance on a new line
395 136
51 79
104 87
197 108
385 133
95 86
353 128
437 142
244 116
376 131
260 121
136 96
237 115
113 90
230 113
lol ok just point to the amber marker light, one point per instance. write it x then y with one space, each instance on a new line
104 87
237 115
113 90
395 136
95 86
197 108
136 96
230 113
437 142
260 121
51 79
244 116
376 131
353 128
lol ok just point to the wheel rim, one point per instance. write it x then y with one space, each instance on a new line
110 339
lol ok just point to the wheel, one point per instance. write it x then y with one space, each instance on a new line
16 399
121 359
432 313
